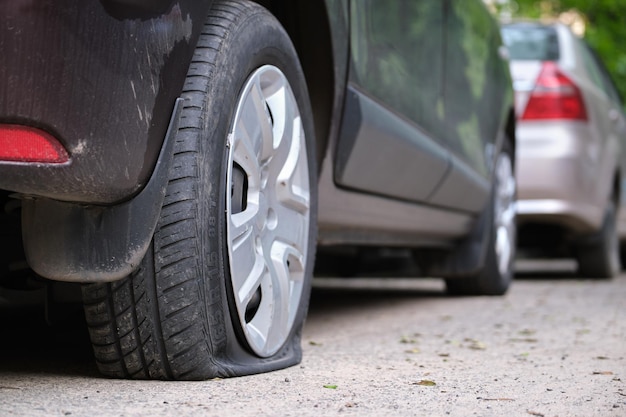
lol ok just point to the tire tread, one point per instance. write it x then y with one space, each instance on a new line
151 324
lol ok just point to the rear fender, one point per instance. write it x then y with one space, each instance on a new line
86 243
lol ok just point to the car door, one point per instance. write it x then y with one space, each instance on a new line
393 104
473 109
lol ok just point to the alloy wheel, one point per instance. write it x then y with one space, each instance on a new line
504 218
268 209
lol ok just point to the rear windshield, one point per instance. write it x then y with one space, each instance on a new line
536 43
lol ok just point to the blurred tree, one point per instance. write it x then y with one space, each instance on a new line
605 30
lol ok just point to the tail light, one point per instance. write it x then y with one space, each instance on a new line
28 144
555 96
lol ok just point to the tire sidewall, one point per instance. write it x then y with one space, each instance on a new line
255 40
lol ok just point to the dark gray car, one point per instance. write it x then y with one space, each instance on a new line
183 160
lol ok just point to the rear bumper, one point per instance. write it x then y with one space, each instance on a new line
563 176
102 83
572 216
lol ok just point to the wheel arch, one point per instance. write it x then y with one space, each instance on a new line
616 193
510 130
301 19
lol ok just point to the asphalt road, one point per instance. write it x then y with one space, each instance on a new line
555 345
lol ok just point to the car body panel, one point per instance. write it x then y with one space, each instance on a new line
390 72
350 217
557 174
102 83
70 242
462 187
382 153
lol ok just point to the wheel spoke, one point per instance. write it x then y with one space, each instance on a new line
291 226
281 105
284 119
288 278
258 119
245 155
292 184
250 267
272 323
241 225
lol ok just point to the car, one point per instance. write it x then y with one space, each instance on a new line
184 160
571 160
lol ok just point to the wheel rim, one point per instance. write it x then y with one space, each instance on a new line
504 214
267 210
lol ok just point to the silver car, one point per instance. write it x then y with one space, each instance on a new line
570 153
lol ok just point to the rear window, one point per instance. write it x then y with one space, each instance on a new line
531 43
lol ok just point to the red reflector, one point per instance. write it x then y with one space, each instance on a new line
28 144
555 96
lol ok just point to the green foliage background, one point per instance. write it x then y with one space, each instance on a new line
605 29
